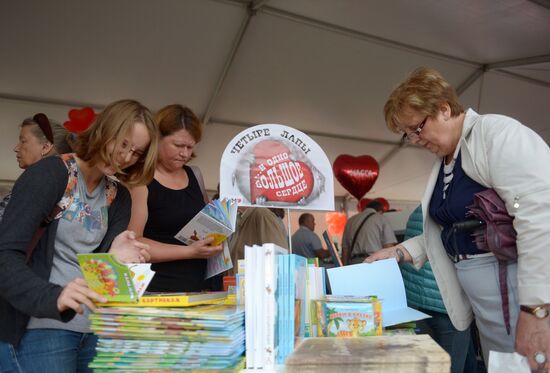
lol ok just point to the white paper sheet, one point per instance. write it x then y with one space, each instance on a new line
381 278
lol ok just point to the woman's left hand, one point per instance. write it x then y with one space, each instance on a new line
127 249
532 337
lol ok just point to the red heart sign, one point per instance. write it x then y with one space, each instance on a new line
356 174
275 176
79 119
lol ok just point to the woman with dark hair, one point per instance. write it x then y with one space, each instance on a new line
37 139
170 201
44 301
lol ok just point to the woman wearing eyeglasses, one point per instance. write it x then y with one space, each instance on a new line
44 301
476 152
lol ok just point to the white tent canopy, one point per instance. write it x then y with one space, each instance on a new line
322 66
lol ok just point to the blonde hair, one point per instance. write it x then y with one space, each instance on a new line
424 91
112 125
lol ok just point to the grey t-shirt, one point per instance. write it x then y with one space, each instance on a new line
305 242
81 229
374 234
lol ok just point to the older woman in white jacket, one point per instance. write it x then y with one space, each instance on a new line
477 152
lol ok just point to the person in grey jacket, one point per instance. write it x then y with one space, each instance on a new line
44 302
476 152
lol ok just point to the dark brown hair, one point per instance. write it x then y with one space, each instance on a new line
173 118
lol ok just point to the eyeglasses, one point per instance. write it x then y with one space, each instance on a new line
126 149
414 135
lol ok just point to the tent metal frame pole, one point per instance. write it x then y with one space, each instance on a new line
363 36
251 11
49 101
519 62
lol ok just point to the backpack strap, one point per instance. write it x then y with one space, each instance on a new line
357 232
111 187
58 209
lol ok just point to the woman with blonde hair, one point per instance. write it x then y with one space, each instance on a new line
476 153
44 301
170 201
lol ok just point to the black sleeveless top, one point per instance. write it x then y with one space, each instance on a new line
169 211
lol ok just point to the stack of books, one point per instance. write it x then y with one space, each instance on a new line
202 338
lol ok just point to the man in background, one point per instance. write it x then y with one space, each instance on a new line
305 242
366 233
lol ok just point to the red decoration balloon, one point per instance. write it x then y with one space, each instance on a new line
336 222
384 203
356 174
362 204
79 119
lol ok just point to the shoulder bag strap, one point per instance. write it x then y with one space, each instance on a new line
70 163
357 231
40 231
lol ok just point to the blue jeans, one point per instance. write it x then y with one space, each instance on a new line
458 344
48 350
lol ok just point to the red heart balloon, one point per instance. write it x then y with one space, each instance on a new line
356 174
362 204
384 202
79 119
276 177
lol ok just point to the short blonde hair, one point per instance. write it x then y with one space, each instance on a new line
113 124
424 91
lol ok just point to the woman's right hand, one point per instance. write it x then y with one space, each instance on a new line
75 294
391 252
203 249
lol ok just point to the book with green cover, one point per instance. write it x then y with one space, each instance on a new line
115 281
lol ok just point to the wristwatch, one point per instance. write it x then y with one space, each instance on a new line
400 255
539 312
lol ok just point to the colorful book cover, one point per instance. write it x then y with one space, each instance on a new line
217 219
175 299
349 317
115 281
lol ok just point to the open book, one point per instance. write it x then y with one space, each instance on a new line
115 281
217 219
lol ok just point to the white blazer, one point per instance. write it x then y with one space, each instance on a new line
497 152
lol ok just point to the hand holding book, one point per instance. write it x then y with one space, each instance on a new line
75 294
205 249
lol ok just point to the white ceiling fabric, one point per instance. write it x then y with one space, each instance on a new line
322 66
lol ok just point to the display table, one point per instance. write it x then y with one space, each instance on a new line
400 353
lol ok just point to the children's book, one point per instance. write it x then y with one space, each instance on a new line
219 263
217 219
115 281
187 299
